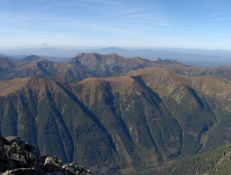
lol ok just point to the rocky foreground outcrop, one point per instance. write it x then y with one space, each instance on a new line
19 158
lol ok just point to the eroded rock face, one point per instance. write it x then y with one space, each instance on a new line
19 158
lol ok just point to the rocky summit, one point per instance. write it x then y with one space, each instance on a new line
19 158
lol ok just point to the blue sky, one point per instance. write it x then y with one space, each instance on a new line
118 23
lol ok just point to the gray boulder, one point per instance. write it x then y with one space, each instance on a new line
21 171
20 158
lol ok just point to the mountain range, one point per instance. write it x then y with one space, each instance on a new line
77 68
117 115
200 57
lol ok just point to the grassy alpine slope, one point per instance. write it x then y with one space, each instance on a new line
119 124
212 162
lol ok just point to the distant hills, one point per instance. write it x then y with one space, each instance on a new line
95 65
76 68
199 57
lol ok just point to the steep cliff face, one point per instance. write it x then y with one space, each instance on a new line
118 124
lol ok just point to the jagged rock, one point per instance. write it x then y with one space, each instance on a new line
3 158
20 154
21 171
15 154
75 169
82 170
69 167
50 164
19 158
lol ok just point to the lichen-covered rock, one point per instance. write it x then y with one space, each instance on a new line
19 153
21 171
3 158
75 169
50 164
19 158
15 154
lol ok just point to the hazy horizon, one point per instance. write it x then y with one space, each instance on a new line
200 57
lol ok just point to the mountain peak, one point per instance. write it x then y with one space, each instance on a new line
87 57
33 58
